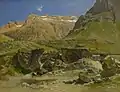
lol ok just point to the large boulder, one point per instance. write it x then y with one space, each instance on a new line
71 55
90 72
91 65
86 64
111 66
27 61
86 77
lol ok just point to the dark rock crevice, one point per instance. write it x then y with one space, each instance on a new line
37 60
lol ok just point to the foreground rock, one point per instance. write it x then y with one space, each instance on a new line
37 61
90 71
86 77
96 72
86 64
111 66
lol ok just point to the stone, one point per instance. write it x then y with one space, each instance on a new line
111 66
37 61
91 65
28 61
86 77
90 71
24 84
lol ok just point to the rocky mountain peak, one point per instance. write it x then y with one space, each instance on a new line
105 6
99 6
34 17
42 27
101 10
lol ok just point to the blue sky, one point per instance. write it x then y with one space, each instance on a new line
20 9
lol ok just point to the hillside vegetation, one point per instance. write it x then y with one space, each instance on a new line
4 38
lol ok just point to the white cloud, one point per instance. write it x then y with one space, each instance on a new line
40 8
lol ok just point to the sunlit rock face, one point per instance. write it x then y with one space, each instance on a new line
106 5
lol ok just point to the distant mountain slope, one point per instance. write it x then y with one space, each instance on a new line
100 31
43 28
11 26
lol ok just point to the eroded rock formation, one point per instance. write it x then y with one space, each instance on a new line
106 5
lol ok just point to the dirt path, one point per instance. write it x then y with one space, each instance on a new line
14 85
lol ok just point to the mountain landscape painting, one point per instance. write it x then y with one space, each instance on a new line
59 46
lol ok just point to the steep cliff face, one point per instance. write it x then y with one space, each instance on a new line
101 10
99 6
106 5
116 5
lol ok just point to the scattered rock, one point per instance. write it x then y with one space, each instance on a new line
91 65
86 77
111 66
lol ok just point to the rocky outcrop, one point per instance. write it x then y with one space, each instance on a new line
27 61
105 6
90 71
100 6
111 66
37 61
94 71
86 77
73 55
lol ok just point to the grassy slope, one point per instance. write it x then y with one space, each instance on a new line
106 34
4 38
13 46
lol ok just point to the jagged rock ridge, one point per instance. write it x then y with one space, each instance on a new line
43 28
